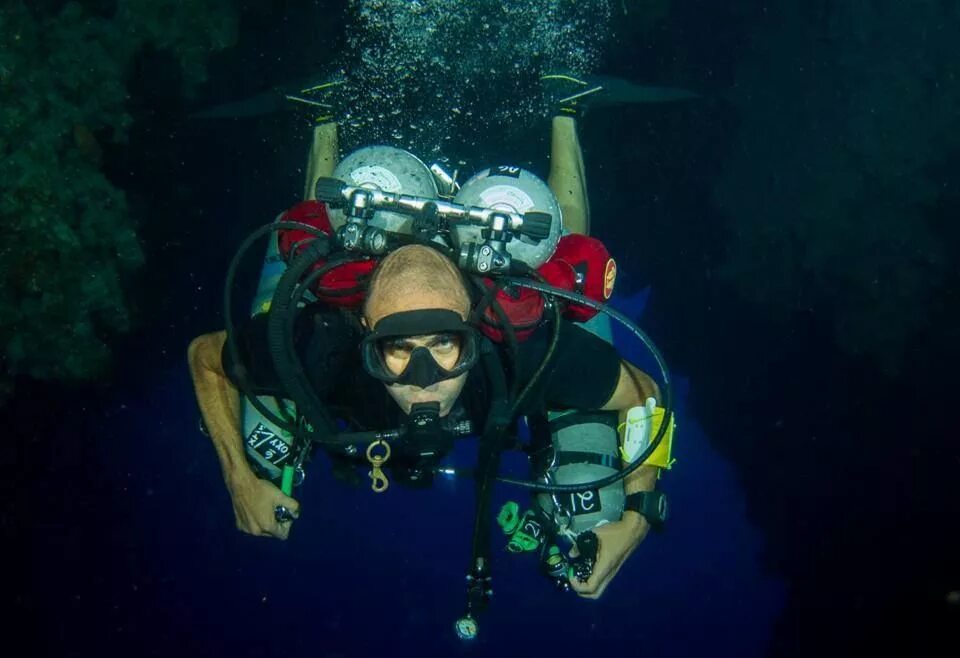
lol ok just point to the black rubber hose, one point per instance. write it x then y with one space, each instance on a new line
243 383
667 395
280 338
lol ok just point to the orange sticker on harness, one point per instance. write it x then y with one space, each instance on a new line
609 278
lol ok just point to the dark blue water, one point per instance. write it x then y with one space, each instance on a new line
814 497
162 571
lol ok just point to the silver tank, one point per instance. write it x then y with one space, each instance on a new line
388 169
596 433
515 190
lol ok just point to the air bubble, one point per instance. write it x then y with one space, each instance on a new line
422 63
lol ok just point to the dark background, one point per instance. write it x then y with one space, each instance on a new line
849 473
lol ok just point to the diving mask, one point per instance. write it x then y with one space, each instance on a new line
445 331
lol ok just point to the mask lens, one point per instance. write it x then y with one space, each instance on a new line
444 348
445 356
420 347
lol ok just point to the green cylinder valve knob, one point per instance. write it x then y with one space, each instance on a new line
509 517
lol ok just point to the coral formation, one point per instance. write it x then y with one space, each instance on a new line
68 238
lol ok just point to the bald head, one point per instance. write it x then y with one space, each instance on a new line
415 277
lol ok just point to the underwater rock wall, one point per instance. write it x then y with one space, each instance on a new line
69 242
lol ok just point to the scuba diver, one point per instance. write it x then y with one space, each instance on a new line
400 311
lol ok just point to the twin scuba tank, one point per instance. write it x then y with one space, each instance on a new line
573 262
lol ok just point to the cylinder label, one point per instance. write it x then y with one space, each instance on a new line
376 177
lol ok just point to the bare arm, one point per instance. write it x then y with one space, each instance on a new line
618 540
633 388
254 500
219 403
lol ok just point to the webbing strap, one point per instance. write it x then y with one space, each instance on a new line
575 457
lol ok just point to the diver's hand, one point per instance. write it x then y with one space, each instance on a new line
254 502
616 541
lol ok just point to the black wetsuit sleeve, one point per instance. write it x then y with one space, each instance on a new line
254 354
325 340
582 374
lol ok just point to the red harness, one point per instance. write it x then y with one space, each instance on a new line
576 256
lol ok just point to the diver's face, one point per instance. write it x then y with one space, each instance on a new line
445 350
